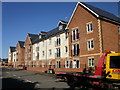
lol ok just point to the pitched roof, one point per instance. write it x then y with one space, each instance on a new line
12 49
33 37
102 13
99 13
51 33
21 44
62 22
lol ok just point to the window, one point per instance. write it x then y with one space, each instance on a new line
76 63
90 44
29 57
67 64
29 49
91 62
57 54
37 48
66 49
115 62
66 35
43 65
49 41
60 27
37 57
57 64
50 52
75 34
34 64
30 64
50 63
89 27
37 64
57 42
75 49
43 53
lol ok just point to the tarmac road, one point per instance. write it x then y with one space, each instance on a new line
13 79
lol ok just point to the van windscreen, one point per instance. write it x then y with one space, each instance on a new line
115 62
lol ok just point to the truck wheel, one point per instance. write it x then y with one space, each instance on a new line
71 83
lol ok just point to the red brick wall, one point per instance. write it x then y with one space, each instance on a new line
27 45
80 18
110 36
20 54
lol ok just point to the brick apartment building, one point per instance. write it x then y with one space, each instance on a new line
10 55
28 48
20 54
73 45
50 50
91 32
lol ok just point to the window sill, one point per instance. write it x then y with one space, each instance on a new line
57 45
75 55
89 32
90 49
91 66
75 40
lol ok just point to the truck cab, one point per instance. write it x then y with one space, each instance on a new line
113 66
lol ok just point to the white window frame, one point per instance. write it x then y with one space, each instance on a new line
58 64
74 63
75 54
43 64
60 27
89 27
50 41
66 49
58 51
50 62
37 64
75 34
50 52
30 64
66 35
89 43
67 62
43 53
59 41
91 61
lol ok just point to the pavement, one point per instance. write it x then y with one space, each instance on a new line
24 79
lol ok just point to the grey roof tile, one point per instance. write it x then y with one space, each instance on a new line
103 13
33 37
12 49
50 33
21 44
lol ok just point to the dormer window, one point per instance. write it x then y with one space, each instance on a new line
60 27
40 36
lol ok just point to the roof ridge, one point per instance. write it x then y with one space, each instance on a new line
32 34
99 8
21 41
100 12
